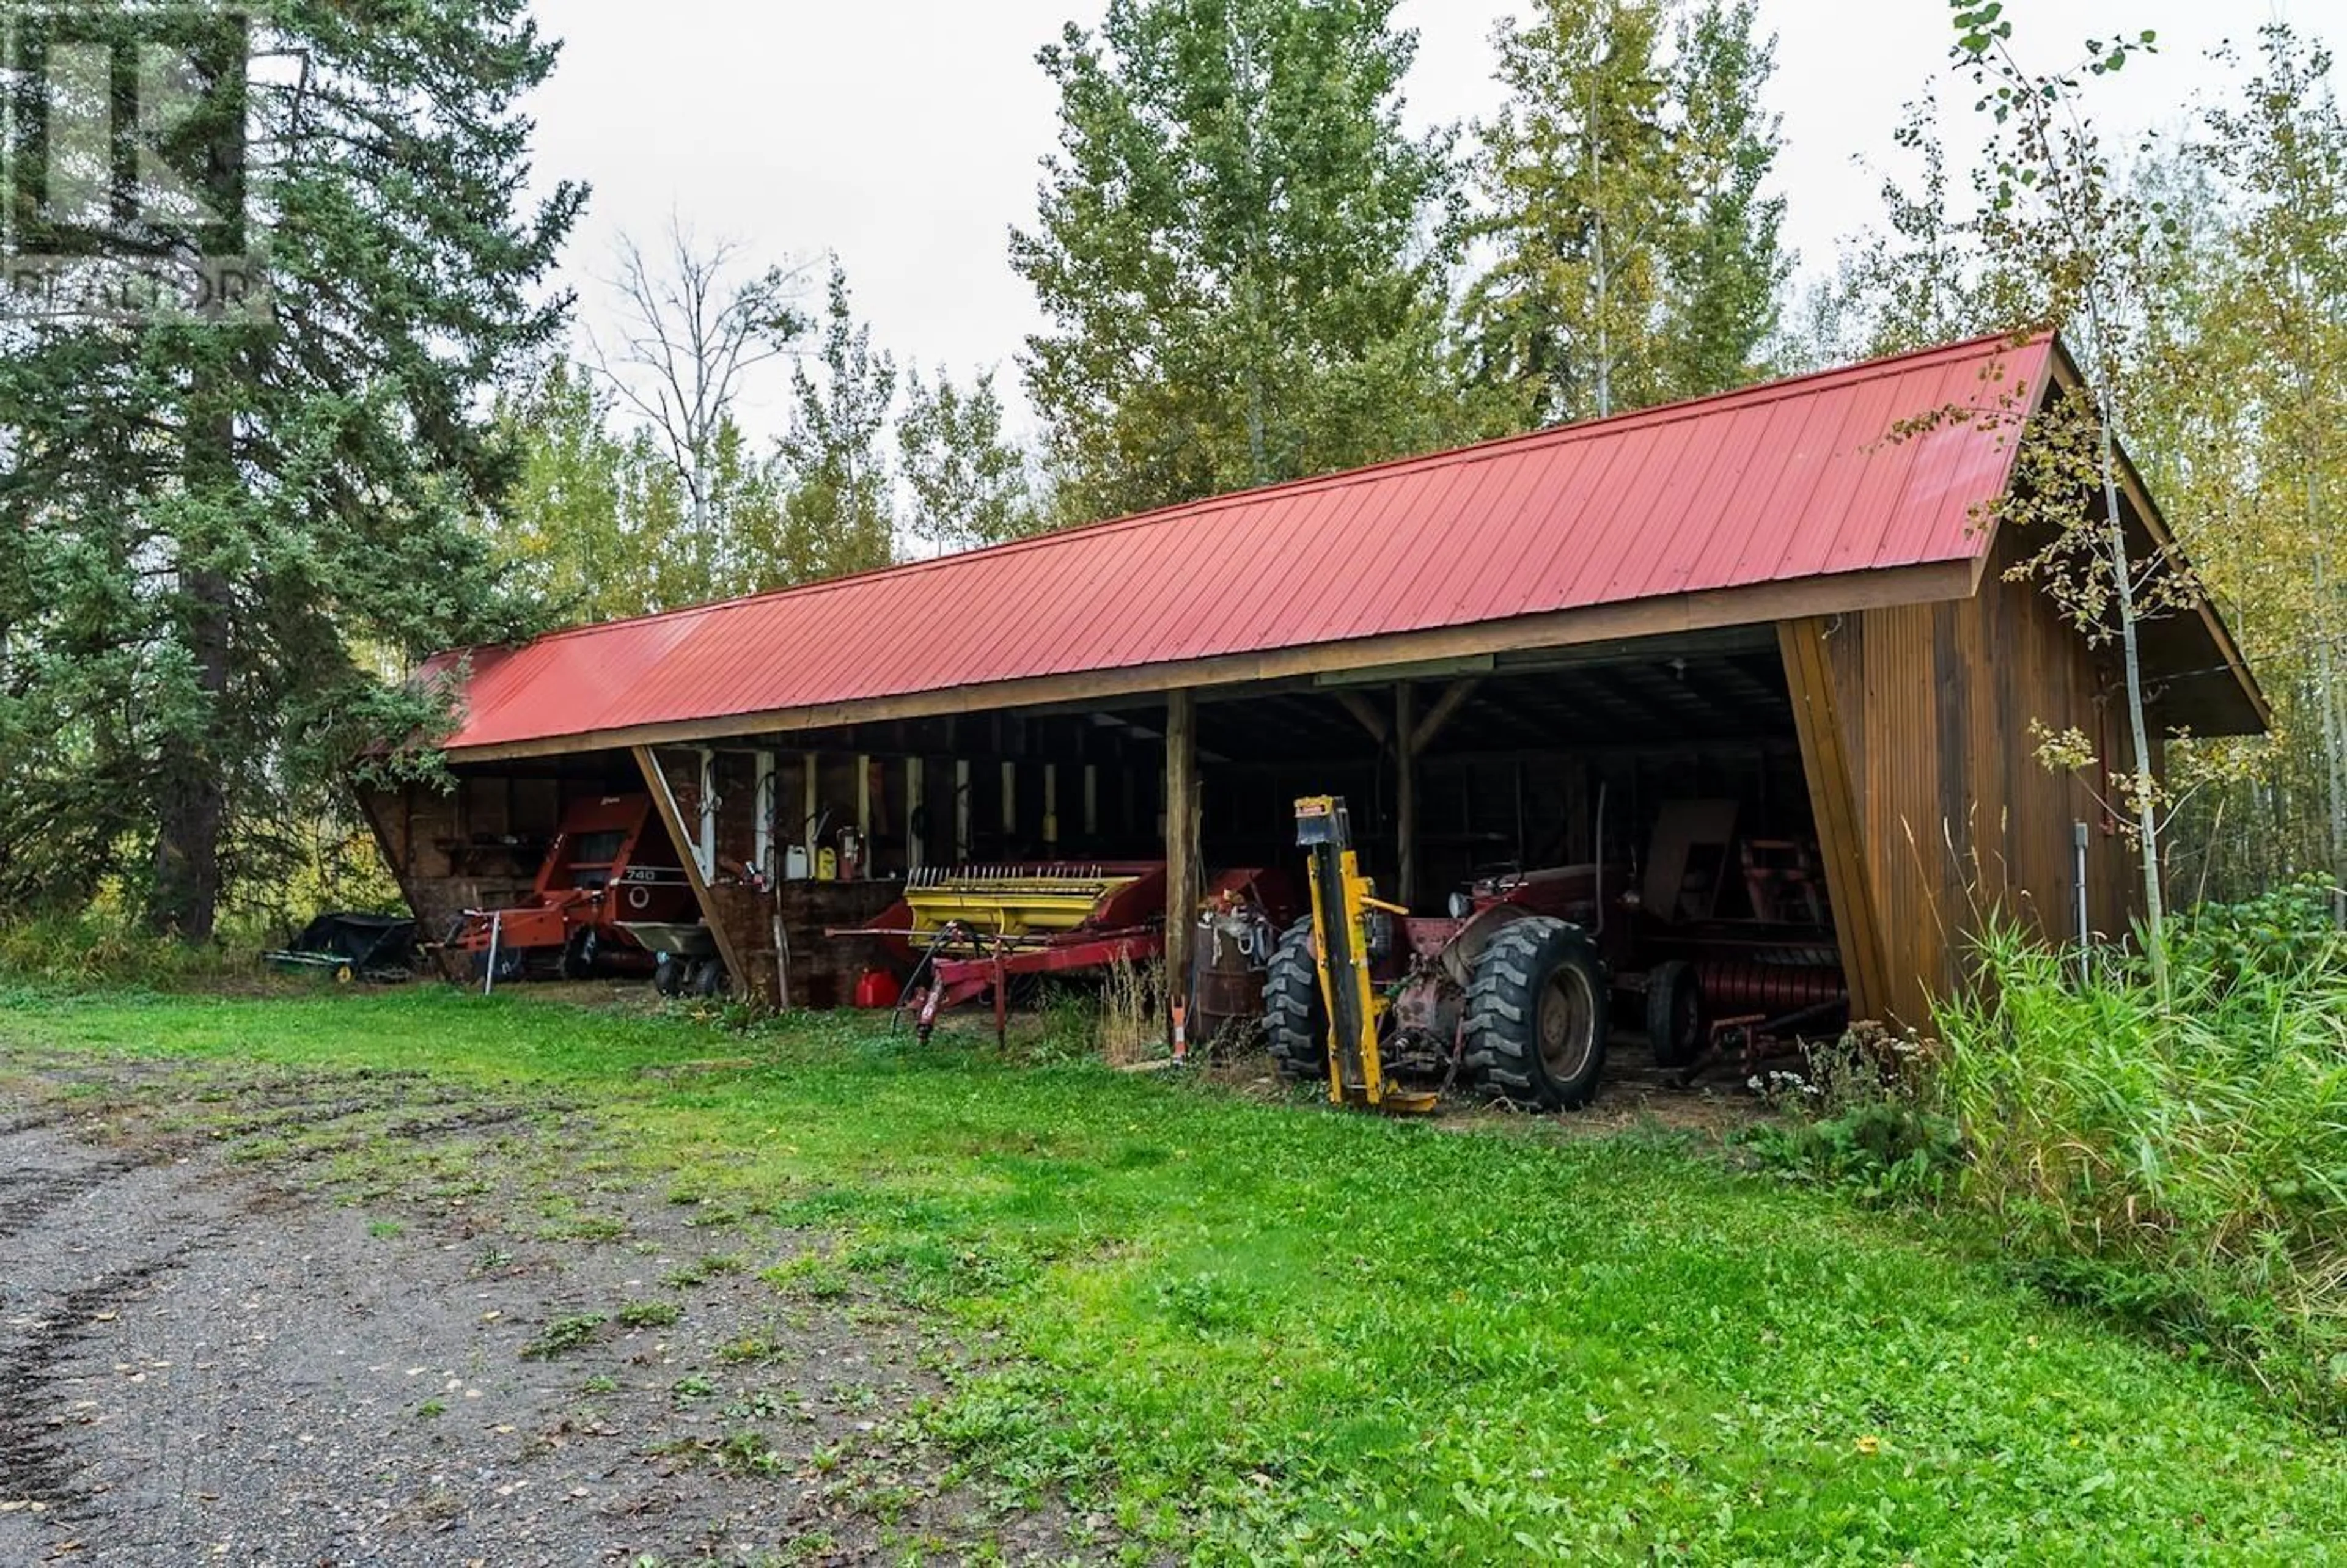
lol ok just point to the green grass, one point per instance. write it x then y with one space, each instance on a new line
2181 1163
1257 1332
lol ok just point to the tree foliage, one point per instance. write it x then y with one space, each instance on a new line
694 328
1235 249
1635 255
2211 258
2054 207
838 514
2263 276
600 521
1724 264
227 534
968 484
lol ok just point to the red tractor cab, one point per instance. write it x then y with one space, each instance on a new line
612 865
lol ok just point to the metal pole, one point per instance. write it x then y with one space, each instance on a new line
497 930
2082 839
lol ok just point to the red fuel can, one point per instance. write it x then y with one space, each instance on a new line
876 991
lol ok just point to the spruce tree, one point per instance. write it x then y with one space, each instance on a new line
838 516
230 530
1634 252
1236 251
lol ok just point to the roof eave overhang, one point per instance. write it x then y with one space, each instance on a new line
1758 604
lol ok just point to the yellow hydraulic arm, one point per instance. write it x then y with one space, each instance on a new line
1341 901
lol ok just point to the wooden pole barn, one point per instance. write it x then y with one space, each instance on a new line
1520 651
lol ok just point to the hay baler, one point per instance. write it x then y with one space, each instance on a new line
611 865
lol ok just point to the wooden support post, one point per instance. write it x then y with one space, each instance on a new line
1833 798
916 813
1181 877
961 811
664 800
1405 733
1051 809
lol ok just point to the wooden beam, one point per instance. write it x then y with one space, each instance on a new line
1445 708
1183 881
1366 712
664 800
1736 746
1710 610
916 813
1841 827
1406 793
961 811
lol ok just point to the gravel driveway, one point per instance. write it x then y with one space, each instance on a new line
227 1335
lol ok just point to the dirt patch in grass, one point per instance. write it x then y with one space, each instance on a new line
378 1318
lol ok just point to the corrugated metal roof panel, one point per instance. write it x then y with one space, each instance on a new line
1794 479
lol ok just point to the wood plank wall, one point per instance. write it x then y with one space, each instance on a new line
476 846
1959 819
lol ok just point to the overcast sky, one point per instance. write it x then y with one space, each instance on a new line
906 134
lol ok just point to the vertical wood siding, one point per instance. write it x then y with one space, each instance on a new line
1961 821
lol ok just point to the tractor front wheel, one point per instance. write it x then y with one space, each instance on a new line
1295 1017
1536 1018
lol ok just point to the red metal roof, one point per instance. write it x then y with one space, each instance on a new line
1794 479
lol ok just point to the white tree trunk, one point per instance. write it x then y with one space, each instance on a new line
2334 744
2155 901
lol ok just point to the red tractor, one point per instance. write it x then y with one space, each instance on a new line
1508 992
611 865
1514 993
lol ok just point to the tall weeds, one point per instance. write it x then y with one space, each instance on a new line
2187 1164
102 947
1132 1013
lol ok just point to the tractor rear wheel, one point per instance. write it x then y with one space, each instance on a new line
1536 1016
580 955
1673 1013
1295 1017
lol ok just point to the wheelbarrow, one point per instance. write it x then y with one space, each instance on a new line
685 956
